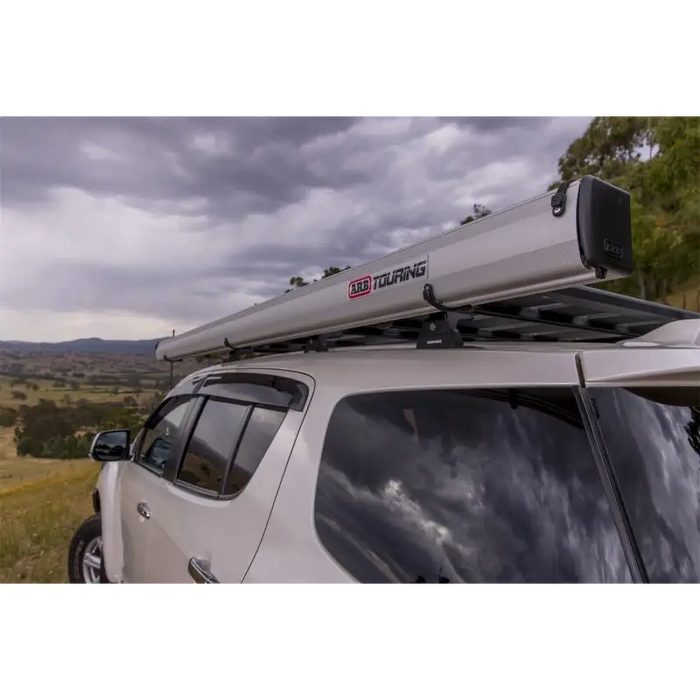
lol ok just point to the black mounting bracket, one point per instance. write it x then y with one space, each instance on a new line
319 343
440 331
429 296
558 201
235 354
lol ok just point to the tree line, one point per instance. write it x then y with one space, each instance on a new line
657 160
66 432
19 377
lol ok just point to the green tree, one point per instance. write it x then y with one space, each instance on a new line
8 417
49 430
657 160
329 271
608 146
478 212
671 180
27 446
299 282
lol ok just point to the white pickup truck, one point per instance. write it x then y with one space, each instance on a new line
461 411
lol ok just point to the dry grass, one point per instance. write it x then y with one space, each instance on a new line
42 502
37 522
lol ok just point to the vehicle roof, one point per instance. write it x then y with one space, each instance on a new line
359 364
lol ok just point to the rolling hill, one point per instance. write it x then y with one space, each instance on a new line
89 346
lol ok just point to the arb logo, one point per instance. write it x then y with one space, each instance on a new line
360 287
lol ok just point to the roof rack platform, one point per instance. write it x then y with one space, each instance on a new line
514 275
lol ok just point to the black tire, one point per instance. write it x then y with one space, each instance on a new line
84 537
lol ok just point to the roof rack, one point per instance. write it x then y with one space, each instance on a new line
514 275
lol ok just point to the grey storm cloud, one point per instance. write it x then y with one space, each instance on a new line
237 165
497 123
181 218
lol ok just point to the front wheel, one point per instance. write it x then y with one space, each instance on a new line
85 561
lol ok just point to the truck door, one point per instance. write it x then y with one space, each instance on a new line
210 510
140 483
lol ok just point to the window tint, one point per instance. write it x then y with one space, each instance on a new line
212 443
161 432
440 486
653 439
259 433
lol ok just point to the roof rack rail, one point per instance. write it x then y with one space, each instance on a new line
514 275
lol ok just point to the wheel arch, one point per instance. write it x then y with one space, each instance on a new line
96 505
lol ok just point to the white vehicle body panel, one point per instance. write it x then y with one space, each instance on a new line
112 538
223 533
291 551
641 366
136 485
247 539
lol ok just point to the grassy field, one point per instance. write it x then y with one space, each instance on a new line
42 502
37 522
16 470
46 390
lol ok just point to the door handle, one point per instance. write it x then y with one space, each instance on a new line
199 572
144 511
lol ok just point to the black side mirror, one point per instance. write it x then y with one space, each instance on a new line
110 446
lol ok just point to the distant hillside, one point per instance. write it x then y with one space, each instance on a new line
92 346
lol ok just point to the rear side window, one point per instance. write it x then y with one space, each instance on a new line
260 431
211 446
653 439
465 487
227 445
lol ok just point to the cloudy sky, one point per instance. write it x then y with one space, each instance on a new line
129 228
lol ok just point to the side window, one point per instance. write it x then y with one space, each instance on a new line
259 434
465 487
227 445
211 445
653 439
161 431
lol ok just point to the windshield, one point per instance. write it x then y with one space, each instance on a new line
653 439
